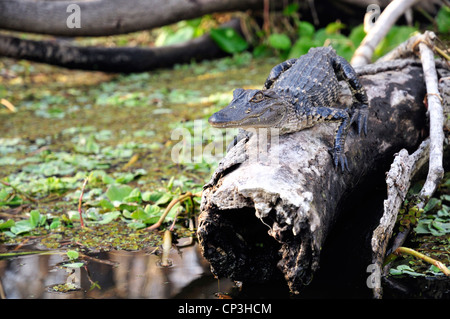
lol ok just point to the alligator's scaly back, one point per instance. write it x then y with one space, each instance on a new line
311 75
298 94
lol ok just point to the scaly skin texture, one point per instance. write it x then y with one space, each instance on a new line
298 94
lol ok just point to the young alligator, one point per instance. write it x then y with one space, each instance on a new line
298 94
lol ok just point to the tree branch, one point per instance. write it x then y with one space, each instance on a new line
363 55
125 60
109 17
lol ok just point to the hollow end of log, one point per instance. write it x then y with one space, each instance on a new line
238 246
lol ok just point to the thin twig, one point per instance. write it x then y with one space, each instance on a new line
363 55
2 291
412 252
8 105
170 206
436 115
80 201
167 245
266 23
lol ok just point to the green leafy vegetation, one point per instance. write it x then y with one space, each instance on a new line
118 136
431 232
229 40
307 36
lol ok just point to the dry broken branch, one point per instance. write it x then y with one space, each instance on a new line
363 55
436 116
405 166
398 181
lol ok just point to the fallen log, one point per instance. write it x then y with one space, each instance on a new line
120 59
108 17
267 213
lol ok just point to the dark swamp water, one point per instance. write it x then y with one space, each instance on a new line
139 274
116 274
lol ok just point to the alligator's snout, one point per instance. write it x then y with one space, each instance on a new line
218 119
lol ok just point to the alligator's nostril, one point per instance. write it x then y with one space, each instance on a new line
213 119
218 118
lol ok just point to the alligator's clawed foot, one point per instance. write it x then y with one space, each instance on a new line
360 116
339 158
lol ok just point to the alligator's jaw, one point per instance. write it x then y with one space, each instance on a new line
268 118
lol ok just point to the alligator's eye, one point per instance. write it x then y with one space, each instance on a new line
258 97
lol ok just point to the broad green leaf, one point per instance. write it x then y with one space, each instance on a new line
72 254
140 214
305 29
168 37
55 224
357 35
279 41
151 196
229 40
124 178
8 224
106 179
259 52
118 192
35 218
404 269
106 204
443 19
134 196
137 225
334 27
152 210
301 47
431 204
126 213
22 227
164 199
4 194
290 9
423 226
109 217
87 145
73 265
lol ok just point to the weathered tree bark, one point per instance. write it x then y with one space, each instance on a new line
108 17
111 17
125 60
293 189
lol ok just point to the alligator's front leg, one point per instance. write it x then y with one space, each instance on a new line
328 114
277 71
360 112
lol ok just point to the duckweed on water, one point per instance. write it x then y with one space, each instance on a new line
114 130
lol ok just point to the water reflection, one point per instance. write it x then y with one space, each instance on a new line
120 274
